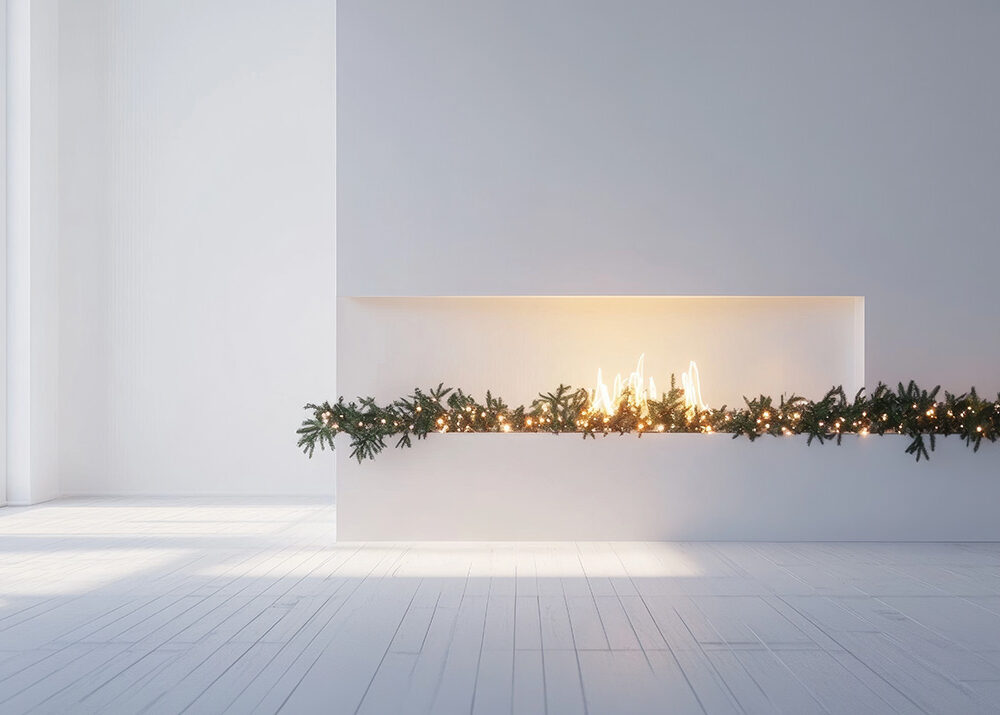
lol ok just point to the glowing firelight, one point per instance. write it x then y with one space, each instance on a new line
634 389
691 381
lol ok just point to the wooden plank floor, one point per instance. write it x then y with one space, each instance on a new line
208 606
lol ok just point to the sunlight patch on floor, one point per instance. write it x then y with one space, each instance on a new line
77 571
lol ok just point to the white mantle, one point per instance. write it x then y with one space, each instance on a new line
668 487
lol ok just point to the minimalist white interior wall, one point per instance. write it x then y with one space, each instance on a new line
519 346
3 252
45 243
32 248
183 153
198 226
774 148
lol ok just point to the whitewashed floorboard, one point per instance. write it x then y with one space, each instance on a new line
241 605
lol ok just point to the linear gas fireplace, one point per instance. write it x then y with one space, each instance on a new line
519 346
607 417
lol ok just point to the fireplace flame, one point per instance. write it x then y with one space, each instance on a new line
691 382
634 389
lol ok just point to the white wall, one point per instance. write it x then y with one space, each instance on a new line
45 241
491 148
32 222
770 148
198 235
3 252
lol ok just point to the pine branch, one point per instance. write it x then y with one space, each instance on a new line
908 410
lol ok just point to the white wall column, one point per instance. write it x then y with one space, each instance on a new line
31 266
4 45
18 296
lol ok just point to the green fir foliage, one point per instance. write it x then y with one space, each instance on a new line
907 410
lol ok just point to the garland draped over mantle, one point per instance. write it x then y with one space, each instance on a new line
908 410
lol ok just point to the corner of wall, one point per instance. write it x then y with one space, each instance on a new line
3 251
32 249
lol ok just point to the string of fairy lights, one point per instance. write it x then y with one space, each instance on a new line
907 410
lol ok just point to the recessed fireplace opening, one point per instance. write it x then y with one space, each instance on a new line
516 346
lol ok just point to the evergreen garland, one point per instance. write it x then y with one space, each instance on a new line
908 410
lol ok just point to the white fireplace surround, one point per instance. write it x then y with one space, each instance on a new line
669 486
